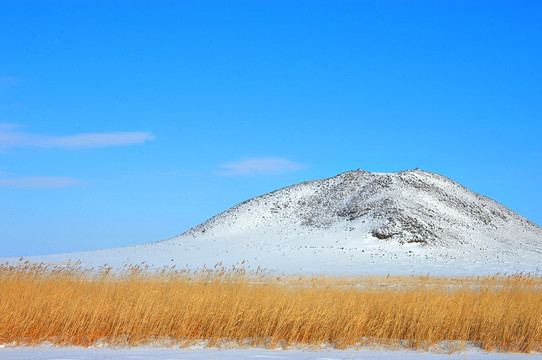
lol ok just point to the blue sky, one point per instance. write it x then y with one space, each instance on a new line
128 122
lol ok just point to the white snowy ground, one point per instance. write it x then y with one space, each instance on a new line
71 353
327 226
410 222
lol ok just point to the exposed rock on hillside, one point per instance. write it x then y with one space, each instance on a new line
411 206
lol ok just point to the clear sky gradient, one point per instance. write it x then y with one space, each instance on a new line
125 122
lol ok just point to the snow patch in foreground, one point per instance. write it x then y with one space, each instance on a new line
71 353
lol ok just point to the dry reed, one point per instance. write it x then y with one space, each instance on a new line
69 305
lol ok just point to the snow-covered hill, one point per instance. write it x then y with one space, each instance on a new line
356 222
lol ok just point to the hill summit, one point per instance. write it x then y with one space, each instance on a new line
406 207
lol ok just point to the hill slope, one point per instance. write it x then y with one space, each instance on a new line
356 222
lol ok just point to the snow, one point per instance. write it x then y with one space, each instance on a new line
72 353
426 222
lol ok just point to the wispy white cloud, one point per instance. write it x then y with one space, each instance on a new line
259 166
10 138
40 182
10 80
9 127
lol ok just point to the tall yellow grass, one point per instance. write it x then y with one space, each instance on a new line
68 305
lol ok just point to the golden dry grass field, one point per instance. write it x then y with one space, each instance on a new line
135 306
